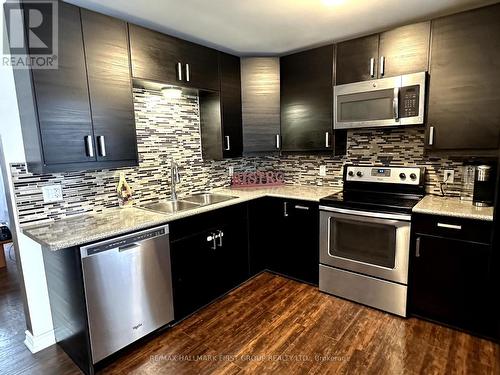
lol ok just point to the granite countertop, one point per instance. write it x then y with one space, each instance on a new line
79 230
448 206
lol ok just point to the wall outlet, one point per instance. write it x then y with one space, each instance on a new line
322 170
230 171
449 176
52 193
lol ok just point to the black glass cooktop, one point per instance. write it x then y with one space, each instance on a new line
372 201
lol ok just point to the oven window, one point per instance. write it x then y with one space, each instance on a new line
366 106
364 242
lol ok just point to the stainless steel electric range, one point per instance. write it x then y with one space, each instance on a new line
365 235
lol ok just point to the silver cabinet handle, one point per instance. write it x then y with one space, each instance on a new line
395 104
449 226
278 141
299 207
220 234
372 67
417 248
179 71
431 136
89 146
327 139
228 143
212 238
188 75
285 209
102 145
382 65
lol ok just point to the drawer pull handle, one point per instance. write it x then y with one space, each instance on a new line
305 208
449 226
417 248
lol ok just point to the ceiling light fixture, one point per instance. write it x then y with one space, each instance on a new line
171 92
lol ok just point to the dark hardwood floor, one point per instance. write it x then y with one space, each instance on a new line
15 358
277 326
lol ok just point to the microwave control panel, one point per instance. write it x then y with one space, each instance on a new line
409 101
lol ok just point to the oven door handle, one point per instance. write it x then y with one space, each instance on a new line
378 215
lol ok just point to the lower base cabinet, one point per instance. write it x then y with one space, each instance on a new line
284 238
451 277
209 254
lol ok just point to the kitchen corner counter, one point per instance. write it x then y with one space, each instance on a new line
302 192
448 206
87 228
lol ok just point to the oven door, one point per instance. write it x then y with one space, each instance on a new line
373 244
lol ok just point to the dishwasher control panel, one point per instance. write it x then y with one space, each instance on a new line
123 241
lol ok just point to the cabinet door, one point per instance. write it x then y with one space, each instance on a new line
193 263
354 57
201 66
463 110
110 87
306 100
230 95
450 281
155 56
260 91
300 241
231 256
404 50
62 96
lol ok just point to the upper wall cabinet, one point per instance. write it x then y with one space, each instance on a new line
464 96
60 131
163 58
260 92
357 60
220 113
399 51
306 101
110 86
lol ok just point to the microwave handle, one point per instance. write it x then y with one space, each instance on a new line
395 104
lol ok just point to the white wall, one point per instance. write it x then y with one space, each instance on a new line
29 252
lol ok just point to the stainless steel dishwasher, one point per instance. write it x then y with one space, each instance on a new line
128 289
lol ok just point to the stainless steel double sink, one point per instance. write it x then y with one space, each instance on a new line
188 203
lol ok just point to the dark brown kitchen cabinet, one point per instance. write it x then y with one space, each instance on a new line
451 280
306 102
110 87
260 92
66 113
463 111
54 103
220 113
209 254
404 50
163 58
357 60
230 95
284 238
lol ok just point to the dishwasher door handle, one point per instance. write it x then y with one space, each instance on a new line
132 246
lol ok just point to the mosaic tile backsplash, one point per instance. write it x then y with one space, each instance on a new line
169 128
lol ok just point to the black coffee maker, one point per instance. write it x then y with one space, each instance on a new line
484 186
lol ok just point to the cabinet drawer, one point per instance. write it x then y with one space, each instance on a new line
453 227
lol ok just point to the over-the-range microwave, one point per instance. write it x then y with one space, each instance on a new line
393 101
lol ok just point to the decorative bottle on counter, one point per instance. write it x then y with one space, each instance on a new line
124 192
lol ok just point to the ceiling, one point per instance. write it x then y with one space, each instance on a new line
268 27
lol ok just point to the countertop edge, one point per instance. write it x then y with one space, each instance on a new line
168 218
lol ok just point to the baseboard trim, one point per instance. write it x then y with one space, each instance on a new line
40 342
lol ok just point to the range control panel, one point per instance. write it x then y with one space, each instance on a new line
391 175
